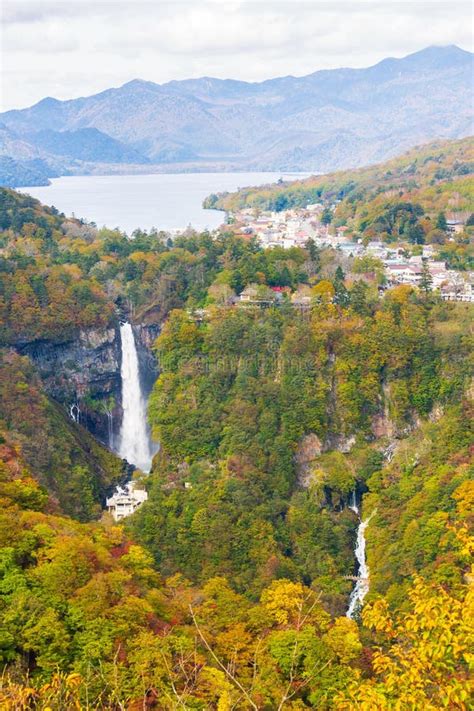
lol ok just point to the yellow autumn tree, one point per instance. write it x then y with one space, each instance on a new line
424 656
323 292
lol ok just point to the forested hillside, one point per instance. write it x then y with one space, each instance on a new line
66 460
244 399
228 589
434 174
86 612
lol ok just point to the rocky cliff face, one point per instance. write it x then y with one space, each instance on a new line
83 375
89 364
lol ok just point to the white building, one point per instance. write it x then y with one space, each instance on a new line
351 249
125 500
402 273
455 225
456 292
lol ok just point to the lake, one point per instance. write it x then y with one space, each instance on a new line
165 201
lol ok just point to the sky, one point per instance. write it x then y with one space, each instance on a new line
71 48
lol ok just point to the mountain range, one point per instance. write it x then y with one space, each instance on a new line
327 120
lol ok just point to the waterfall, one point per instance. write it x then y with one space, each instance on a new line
134 441
75 413
353 505
110 428
361 588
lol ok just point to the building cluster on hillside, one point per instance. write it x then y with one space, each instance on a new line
290 228
452 285
294 227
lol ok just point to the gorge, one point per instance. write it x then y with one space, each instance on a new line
268 419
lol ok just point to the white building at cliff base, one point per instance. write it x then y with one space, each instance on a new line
125 500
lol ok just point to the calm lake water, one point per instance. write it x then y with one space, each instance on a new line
164 201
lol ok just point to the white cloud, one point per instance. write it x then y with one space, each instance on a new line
70 48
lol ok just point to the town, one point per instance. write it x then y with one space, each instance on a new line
397 264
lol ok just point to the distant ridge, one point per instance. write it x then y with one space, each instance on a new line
327 120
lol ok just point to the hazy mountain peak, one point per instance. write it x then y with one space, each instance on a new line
140 84
451 50
432 58
48 101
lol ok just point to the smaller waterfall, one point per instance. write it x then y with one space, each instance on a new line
134 443
75 413
353 505
361 588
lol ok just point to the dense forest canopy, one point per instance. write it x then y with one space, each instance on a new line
228 589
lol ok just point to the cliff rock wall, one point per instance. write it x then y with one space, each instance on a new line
83 374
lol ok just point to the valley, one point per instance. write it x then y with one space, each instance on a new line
311 495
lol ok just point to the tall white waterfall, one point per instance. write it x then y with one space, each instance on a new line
134 440
361 588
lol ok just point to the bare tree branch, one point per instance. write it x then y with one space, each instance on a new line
218 661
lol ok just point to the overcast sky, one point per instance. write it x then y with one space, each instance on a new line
70 48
